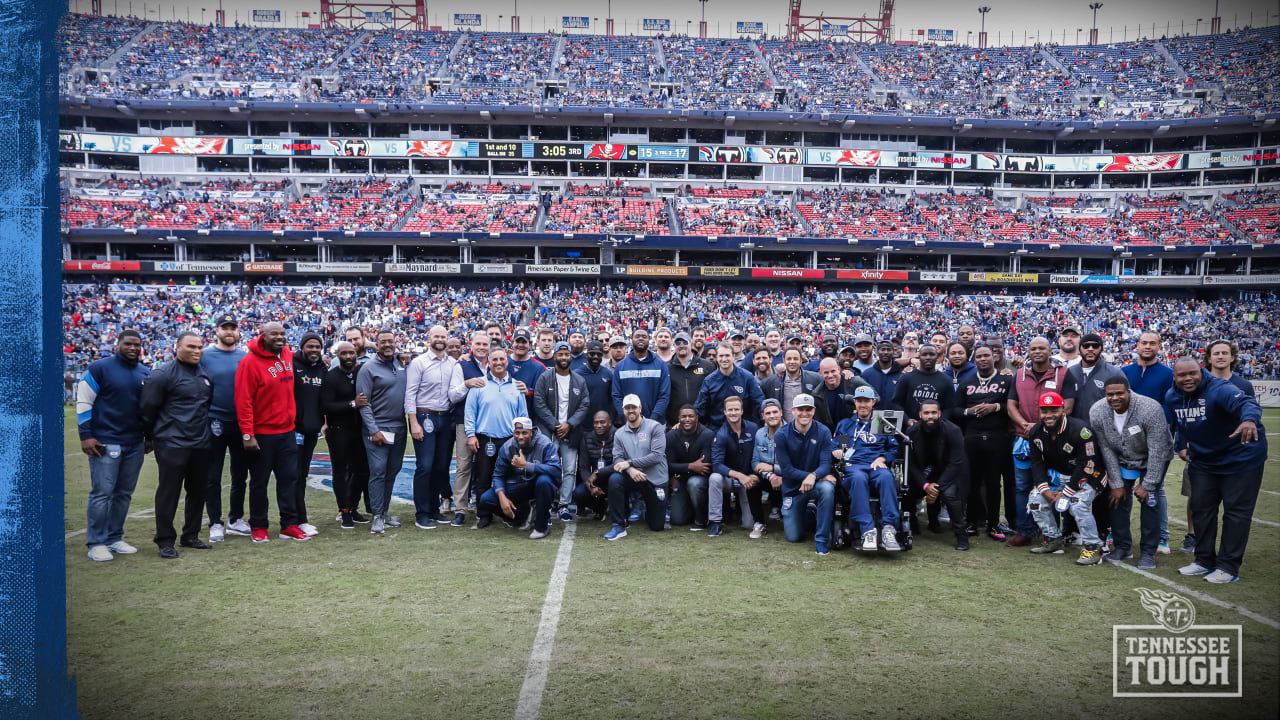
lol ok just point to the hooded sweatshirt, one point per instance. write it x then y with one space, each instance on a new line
1202 423
264 391
647 378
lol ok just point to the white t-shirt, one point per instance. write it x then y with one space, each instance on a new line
562 397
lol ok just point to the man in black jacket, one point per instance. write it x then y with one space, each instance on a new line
689 469
1067 447
341 404
938 468
795 380
174 410
308 378
595 458
687 373
830 406
560 405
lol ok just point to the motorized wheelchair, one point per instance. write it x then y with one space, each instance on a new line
885 422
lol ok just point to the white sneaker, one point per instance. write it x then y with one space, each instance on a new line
944 516
239 527
757 531
869 540
309 529
100 553
1221 577
538 534
122 548
1194 569
390 521
889 538
217 533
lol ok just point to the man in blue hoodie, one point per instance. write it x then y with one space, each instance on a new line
802 456
526 478
1218 431
866 455
883 377
642 374
107 402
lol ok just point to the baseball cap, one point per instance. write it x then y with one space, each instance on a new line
736 333
884 341
862 338
578 331
865 391
225 319
562 345
617 340
521 423
847 346
521 333
1071 327
595 346
770 402
682 337
794 338
802 400
1051 399
631 400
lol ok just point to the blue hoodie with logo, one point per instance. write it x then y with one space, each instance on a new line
649 379
1202 423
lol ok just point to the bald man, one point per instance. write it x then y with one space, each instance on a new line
435 383
1037 377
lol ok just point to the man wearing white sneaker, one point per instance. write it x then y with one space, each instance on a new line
174 411
309 372
111 435
1218 432
526 478
382 381
865 452
560 406
762 459
220 360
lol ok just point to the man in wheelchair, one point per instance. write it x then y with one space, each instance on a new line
938 468
866 456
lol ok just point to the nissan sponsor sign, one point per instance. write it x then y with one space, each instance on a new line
493 268
562 269
425 268
788 273
932 276
341 267
871 274
193 266
98 265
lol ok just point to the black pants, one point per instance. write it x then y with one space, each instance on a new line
583 498
1237 493
483 463
621 486
305 451
350 467
277 454
228 439
180 468
953 496
987 459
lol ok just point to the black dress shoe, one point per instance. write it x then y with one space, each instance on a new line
935 526
196 544
962 543
168 553
483 522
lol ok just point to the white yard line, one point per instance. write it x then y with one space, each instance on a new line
1202 596
82 531
535 676
1271 492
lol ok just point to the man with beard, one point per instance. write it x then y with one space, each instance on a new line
802 456
490 411
662 340
578 349
267 412
1003 365
1068 346
698 339
761 365
341 404
617 353
1068 447
1133 437
689 469
308 380
434 384
883 377
642 374
726 381
220 360
792 382
846 358
1218 432
958 365
910 350
355 335
1038 377
639 465
599 380
174 413
524 478
1152 378
862 347
522 366
938 469
762 458
560 407
1087 378
924 384
546 348
494 331
982 411
473 369
731 453
829 348
864 456
383 382
595 460
687 373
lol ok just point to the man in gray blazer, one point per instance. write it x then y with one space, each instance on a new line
1134 441
560 408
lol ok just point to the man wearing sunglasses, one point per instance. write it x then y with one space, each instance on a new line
1088 379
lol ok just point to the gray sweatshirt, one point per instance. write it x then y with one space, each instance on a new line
383 383
644 447
1144 444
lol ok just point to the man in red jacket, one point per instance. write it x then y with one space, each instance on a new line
266 411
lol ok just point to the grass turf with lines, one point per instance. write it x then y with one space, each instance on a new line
657 625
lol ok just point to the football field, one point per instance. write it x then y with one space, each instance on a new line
454 622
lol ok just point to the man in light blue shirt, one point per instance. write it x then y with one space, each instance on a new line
488 417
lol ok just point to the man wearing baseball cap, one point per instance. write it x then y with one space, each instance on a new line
599 381
862 351
522 366
802 456
617 352
560 406
220 361
1065 447
865 454
1068 346
883 376
526 476
639 465
687 373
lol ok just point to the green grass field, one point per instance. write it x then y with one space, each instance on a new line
658 625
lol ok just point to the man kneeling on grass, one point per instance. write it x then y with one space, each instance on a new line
1067 446
526 478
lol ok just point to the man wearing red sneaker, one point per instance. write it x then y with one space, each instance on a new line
267 412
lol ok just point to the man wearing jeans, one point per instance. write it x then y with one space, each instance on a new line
220 360
382 381
489 413
525 476
1037 377
640 464
802 456
434 383
1134 439
1218 432
1066 446
560 407
107 399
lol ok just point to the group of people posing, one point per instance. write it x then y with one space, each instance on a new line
543 429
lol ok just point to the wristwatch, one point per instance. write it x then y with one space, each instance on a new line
246 437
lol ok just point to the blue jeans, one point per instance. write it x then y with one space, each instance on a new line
1022 487
568 470
1149 518
1162 507
1081 510
113 478
858 482
537 497
689 502
795 519
431 474
384 466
